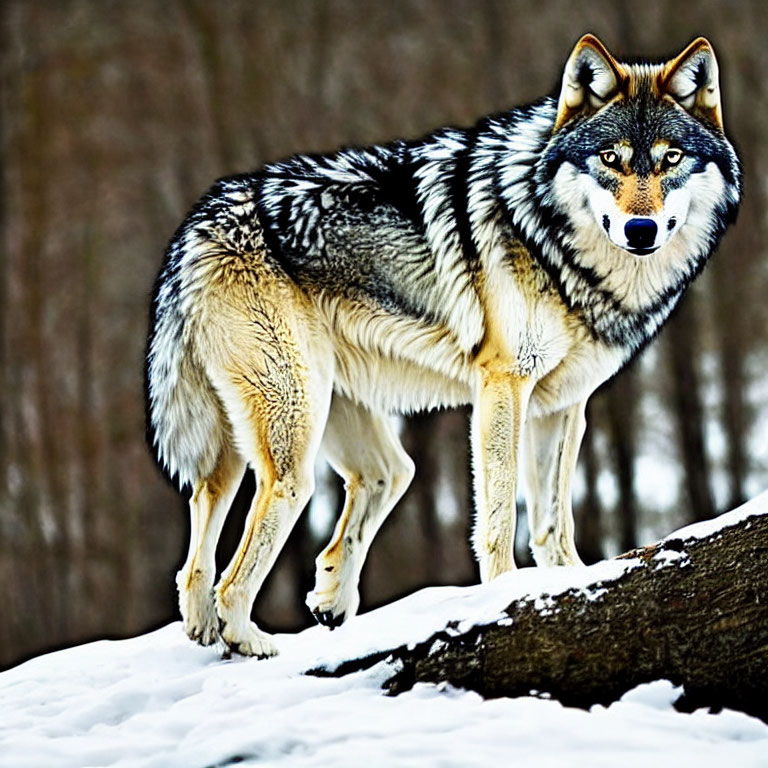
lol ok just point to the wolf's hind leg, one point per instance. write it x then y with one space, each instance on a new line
551 453
208 506
278 413
364 448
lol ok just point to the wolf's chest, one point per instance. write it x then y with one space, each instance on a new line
529 325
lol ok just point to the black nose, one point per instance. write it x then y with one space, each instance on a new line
641 233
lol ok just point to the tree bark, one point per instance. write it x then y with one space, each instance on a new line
691 610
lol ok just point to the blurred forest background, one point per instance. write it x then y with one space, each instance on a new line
116 116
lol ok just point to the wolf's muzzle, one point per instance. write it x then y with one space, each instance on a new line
641 235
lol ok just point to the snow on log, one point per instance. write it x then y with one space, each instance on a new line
692 609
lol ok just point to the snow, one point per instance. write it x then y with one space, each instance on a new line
416 617
666 557
159 700
756 506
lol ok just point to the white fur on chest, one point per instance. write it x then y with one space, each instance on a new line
529 326
545 342
588 364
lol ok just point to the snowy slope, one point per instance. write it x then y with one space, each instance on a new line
159 700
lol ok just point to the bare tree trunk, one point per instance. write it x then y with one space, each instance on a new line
459 566
588 514
621 402
690 610
206 28
421 444
681 341
731 348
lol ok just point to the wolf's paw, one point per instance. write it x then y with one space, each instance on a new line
332 607
236 630
326 618
248 640
203 629
197 608
549 549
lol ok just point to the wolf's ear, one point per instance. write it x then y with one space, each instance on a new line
692 80
592 77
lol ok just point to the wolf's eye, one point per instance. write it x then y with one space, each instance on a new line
672 158
611 159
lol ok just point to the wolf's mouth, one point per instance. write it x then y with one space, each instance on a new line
642 251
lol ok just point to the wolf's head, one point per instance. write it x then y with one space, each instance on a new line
638 150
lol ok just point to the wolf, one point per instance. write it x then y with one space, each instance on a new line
515 265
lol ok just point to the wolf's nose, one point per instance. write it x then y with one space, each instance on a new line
641 233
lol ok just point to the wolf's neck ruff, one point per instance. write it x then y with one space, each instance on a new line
514 147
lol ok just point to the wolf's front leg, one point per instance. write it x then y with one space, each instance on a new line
497 426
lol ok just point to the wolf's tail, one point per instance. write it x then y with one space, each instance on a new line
186 425
186 421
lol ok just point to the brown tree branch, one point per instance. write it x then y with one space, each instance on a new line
693 610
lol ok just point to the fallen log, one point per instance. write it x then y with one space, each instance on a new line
692 609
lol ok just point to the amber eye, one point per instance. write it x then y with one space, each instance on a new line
672 157
611 159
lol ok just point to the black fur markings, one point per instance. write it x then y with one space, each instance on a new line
459 195
396 182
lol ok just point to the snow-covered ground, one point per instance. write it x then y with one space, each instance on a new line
160 700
